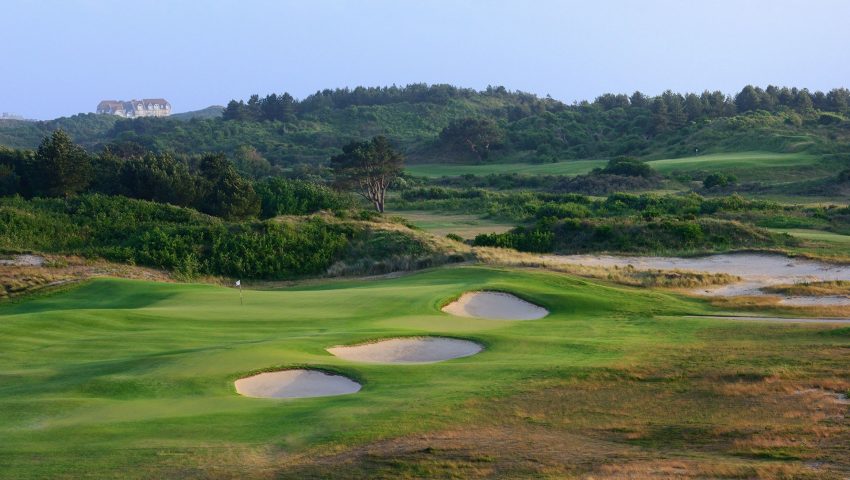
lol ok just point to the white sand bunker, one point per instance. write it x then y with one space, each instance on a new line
295 384
495 306
407 350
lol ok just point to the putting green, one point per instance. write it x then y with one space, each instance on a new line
135 379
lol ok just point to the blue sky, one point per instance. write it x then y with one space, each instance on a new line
61 57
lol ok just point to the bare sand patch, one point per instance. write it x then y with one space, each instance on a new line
296 383
407 350
494 306
757 271
24 260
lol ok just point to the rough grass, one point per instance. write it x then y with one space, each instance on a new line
61 270
818 289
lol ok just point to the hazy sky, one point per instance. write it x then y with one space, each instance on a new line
60 57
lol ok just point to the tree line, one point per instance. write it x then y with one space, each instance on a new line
209 183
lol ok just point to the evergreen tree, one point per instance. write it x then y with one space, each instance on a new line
61 168
225 193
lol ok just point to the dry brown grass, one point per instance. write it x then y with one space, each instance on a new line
717 409
60 270
838 287
769 304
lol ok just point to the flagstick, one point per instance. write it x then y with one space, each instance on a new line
240 293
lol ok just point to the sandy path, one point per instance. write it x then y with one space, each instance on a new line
24 260
295 384
756 271
407 350
494 306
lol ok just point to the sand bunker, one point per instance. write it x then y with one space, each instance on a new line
495 306
407 350
756 271
295 384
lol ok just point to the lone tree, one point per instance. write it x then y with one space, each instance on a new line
475 136
368 168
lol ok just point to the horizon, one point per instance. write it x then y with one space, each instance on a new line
207 57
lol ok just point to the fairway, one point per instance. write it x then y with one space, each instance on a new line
817 235
748 166
571 167
137 378
465 225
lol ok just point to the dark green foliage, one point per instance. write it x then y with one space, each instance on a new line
169 237
160 178
60 167
719 180
224 192
368 168
522 239
472 138
288 132
628 167
279 196
250 162
634 236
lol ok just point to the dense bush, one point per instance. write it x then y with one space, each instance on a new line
634 236
280 196
174 238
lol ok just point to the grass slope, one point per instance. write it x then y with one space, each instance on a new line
465 225
134 379
748 166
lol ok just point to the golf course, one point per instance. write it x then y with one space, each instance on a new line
457 240
138 378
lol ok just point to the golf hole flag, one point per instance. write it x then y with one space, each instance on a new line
238 283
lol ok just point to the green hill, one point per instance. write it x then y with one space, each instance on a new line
445 124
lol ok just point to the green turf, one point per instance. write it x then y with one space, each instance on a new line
133 379
748 166
467 226
817 235
572 167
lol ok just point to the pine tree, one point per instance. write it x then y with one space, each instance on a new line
61 168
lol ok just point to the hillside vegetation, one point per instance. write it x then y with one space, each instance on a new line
446 124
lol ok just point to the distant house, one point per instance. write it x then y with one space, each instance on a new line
146 107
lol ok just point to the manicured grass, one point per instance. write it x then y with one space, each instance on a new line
817 235
133 379
818 243
572 167
467 226
748 166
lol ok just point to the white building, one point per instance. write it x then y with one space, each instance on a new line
146 107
